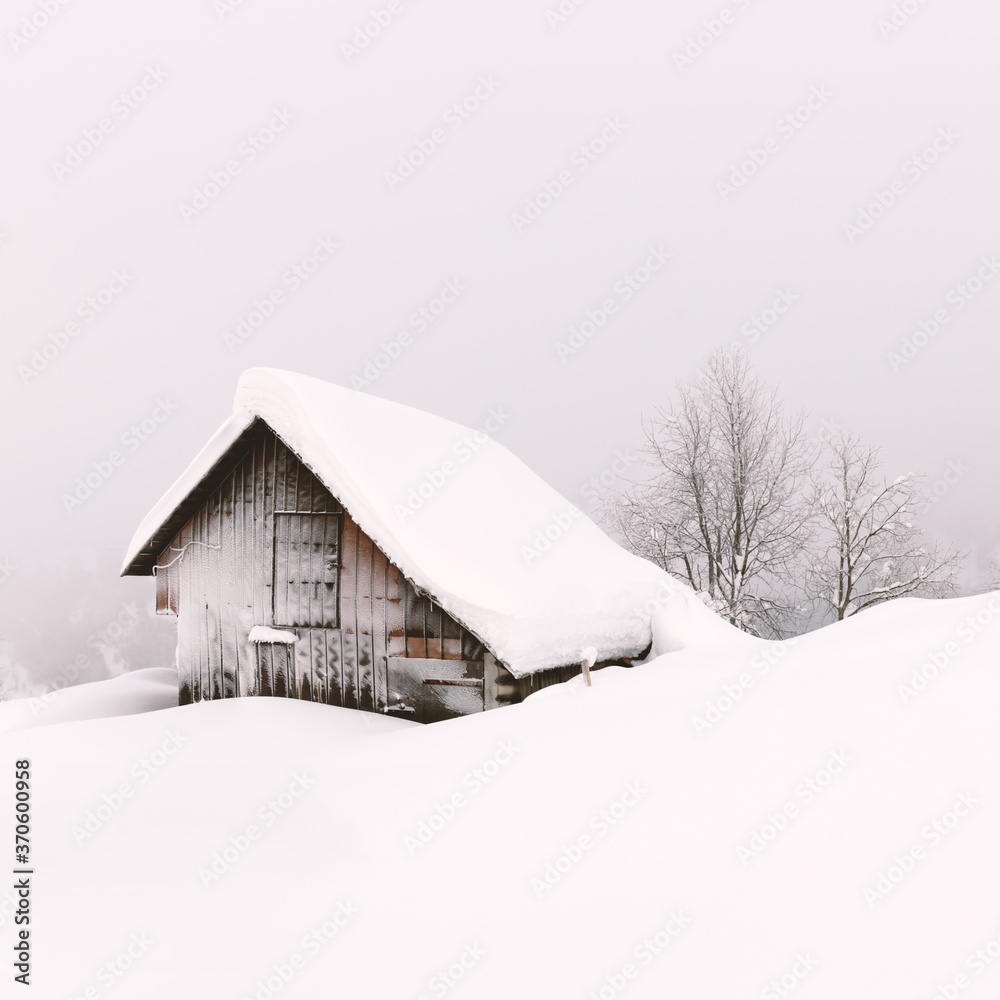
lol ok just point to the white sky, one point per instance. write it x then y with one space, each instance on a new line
655 186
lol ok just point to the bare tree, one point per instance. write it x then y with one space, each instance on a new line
874 550
725 507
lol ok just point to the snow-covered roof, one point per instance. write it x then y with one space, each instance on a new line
491 542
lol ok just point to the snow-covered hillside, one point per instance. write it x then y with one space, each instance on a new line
817 818
138 691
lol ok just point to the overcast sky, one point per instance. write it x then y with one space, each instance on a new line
176 162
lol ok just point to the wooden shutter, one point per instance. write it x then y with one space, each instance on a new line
167 572
306 570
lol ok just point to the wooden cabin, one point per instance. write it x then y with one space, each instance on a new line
278 589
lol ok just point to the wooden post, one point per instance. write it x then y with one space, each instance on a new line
588 657
586 673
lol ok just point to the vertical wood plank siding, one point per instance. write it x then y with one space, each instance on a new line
218 576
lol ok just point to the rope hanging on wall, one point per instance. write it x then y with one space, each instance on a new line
181 552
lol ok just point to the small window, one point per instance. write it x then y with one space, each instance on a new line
307 570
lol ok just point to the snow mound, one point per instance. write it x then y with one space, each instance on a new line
818 819
461 516
606 675
683 620
147 690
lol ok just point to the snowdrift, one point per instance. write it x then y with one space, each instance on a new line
817 817
138 691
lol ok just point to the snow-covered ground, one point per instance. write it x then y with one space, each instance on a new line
747 821
138 691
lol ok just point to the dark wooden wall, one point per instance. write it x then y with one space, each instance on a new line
218 577
510 689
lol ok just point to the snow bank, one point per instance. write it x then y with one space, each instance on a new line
461 516
683 620
138 691
598 678
818 817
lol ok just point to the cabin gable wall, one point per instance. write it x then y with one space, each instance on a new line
271 546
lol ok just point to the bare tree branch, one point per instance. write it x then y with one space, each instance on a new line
725 507
873 550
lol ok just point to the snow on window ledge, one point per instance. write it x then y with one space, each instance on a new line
261 633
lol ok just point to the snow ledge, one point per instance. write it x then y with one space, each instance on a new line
262 633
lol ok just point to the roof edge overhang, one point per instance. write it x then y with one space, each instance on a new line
173 509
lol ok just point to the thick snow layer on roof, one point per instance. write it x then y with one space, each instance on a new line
462 517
